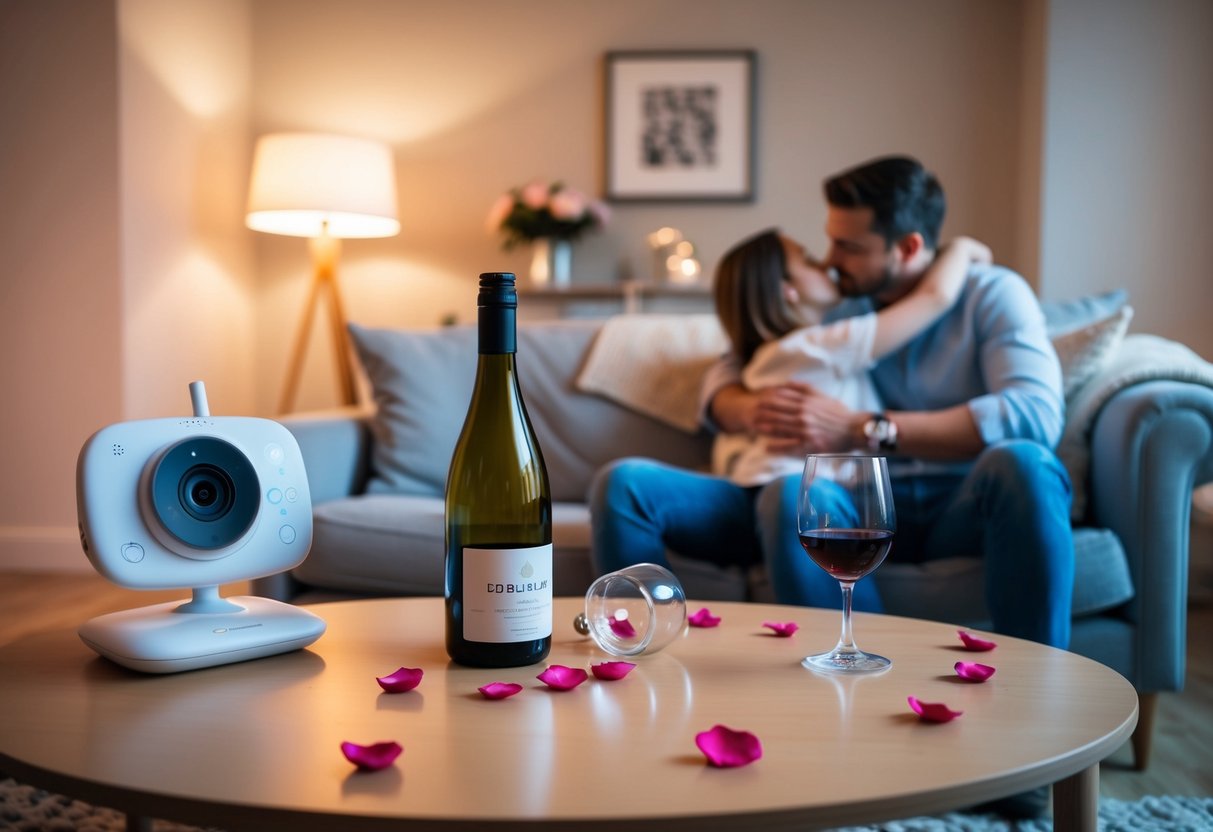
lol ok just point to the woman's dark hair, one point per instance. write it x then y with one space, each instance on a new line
749 290
903 195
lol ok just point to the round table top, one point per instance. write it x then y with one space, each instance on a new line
256 744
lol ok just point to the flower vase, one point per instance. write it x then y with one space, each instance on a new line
551 262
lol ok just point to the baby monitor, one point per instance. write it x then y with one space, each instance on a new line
195 502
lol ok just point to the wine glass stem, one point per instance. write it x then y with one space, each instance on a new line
846 642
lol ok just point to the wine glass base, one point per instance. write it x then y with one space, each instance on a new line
847 662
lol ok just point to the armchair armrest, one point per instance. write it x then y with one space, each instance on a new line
336 447
1151 444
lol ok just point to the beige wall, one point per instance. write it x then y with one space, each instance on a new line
187 261
61 287
124 144
478 96
1073 135
1128 160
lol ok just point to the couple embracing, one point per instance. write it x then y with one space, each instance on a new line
892 344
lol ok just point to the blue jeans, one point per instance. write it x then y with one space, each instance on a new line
1012 507
640 508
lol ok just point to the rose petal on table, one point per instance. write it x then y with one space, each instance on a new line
623 628
404 679
932 711
703 618
973 671
974 643
726 748
610 671
559 677
784 629
499 690
372 757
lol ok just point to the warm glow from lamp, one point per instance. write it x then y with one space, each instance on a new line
324 187
303 180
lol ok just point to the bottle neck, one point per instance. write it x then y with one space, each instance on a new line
497 330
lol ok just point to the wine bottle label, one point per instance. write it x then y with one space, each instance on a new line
507 594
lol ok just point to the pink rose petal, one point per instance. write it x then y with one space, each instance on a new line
784 630
703 618
499 690
726 748
559 677
933 711
973 671
623 628
404 679
974 643
610 671
371 757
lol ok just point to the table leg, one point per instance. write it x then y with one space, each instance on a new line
1076 802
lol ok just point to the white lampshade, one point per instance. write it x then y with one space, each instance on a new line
303 180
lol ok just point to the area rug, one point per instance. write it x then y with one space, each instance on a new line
28 809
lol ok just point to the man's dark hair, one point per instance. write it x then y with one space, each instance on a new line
903 195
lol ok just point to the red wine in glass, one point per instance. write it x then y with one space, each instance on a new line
847 554
845 521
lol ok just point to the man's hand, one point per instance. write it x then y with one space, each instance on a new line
797 419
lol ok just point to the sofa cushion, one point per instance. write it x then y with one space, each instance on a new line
392 544
422 383
953 589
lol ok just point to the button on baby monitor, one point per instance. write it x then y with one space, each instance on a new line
274 496
273 452
291 495
132 552
287 534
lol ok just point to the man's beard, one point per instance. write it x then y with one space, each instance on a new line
849 286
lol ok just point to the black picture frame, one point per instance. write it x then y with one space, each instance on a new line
680 126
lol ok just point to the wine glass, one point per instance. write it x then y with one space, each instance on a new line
634 611
845 520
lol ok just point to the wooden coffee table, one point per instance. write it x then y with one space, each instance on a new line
256 745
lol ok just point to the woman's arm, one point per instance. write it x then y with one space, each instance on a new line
934 294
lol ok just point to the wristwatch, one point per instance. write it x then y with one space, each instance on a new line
881 433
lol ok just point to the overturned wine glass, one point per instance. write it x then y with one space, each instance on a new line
634 611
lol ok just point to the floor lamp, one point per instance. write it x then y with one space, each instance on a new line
326 188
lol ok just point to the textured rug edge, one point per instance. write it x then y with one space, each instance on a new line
25 808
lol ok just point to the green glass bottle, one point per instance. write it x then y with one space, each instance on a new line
498 508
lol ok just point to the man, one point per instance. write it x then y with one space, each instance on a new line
974 407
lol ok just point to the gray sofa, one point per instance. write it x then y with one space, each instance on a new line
377 484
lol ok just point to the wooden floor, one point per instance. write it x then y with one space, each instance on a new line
1182 762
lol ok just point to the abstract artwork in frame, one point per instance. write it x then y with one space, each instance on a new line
680 126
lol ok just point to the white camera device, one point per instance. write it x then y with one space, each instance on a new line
195 502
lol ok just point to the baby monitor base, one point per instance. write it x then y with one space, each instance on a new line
159 639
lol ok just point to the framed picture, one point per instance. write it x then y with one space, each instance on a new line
680 126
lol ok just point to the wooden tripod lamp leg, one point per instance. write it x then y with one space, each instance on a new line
325 252
295 367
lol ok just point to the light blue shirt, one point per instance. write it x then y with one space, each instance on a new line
990 350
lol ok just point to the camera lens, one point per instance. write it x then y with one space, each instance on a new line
205 492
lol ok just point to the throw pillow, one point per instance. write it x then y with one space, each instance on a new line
421 382
1085 351
1063 316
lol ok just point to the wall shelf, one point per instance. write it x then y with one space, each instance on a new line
627 296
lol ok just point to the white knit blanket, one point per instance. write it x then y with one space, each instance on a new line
1140 358
654 364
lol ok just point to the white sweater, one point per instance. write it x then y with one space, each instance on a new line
834 358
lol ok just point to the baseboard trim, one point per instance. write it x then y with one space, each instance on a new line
42 549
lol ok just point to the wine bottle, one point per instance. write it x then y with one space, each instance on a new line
498 508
